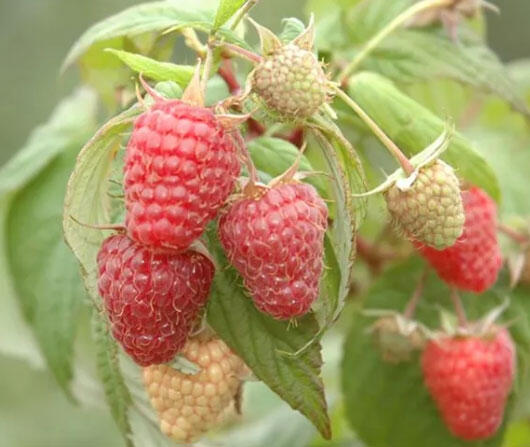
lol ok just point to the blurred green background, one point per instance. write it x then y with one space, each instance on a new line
34 37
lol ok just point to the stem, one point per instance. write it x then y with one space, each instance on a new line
207 68
459 308
192 41
408 313
245 54
226 72
243 12
252 171
387 142
388 29
512 234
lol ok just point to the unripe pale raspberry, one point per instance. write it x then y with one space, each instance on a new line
430 209
190 405
276 242
152 296
180 166
469 378
291 82
474 261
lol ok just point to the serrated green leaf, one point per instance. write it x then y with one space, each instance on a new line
292 28
108 366
347 173
412 56
258 340
87 200
153 69
153 17
387 404
226 9
412 127
31 188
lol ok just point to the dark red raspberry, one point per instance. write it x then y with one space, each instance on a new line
152 296
474 261
180 166
276 243
470 378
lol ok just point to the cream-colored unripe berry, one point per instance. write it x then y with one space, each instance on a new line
189 405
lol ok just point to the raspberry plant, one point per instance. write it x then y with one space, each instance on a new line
237 216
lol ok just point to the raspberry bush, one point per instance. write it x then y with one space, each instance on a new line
299 242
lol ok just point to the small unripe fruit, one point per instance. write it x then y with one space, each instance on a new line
188 405
291 82
429 209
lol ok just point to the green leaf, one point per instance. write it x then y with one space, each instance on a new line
152 17
87 200
387 404
159 71
31 189
227 8
108 366
258 340
347 173
412 56
412 127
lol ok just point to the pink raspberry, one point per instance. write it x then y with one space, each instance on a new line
474 261
180 167
276 244
152 296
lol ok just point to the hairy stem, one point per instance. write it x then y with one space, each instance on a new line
385 32
459 308
408 313
513 234
383 137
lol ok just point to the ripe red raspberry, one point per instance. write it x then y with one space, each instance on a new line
152 296
474 261
470 378
180 166
276 243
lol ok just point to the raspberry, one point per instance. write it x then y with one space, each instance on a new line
474 261
180 166
276 244
469 378
291 82
190 405
152 296
430 209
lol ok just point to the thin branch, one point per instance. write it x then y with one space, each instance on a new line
383 137
245 9
408 313
374 42
459 308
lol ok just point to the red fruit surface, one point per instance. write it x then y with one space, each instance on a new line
474 261
152 296
470 378
180 166
276 244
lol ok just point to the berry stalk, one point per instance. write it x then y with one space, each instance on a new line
383 137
